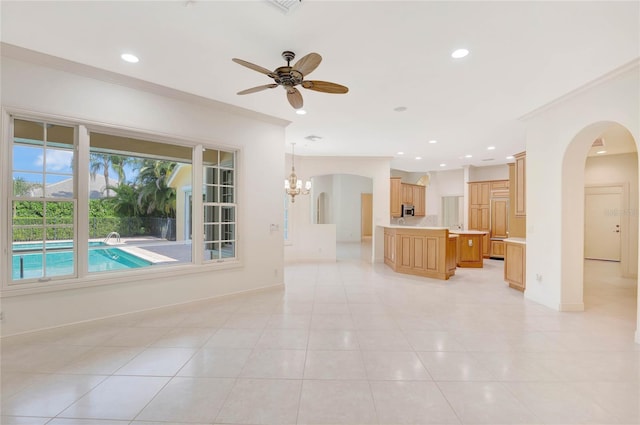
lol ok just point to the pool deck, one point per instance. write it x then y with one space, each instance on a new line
155 250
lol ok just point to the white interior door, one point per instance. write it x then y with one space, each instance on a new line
602 212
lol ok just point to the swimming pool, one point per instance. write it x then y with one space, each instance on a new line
60 260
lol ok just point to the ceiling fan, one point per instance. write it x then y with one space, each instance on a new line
291 76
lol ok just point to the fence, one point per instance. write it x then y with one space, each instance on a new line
33 229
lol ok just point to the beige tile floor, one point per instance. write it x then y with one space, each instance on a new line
344 343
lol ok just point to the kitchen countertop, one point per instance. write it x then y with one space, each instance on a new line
468 232
516 240
396 226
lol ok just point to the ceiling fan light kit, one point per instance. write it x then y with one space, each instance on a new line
291 76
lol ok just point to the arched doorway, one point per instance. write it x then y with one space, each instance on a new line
337 199
585 175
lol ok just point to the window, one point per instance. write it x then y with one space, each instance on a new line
140 203
137 203
43 201
219 203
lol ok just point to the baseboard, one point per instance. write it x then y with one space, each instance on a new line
571 307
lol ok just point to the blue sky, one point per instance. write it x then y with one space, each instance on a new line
28 163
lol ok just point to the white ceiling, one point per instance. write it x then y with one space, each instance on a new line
389 53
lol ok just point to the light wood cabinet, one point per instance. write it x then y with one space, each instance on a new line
520 183
488 212
499 185
408 194
499 218
515 256
419 195
479 193
470 250
419 251
396 197
497 248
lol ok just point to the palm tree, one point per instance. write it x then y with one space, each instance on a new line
125 202
155 196
97 162
118 163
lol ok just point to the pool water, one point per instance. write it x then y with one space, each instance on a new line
61 261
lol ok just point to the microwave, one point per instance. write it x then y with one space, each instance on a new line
408 210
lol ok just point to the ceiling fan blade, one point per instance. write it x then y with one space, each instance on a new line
257 89
295 97
325 87
252 66
307 63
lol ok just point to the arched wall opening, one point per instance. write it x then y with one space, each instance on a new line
304 230
573 214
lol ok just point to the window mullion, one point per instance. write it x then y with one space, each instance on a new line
81 220
197 231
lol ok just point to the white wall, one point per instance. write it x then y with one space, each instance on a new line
322 184
620 169
42 89
443 183
558 139
347 205
377 169
492 172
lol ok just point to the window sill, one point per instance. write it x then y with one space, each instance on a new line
113 278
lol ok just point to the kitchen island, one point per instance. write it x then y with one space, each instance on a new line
421 251
470 247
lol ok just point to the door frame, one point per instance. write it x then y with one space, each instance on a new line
625 216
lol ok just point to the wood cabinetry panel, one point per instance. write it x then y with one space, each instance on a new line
432 254
407 194
420 251
520 180
470 250
499 217
497 249
405 258
515 265
419 195
396 197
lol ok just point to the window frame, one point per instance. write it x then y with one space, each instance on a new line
82 279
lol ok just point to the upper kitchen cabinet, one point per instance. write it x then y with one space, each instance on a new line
407 194
419 200
520 183
396 196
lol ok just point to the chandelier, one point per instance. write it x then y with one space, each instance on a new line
292 185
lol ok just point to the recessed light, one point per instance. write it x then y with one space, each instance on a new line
510 157
128 57
400 153
400 109
443 165
418 157
468 156
490 148
459 53
601 152
433 142
300 111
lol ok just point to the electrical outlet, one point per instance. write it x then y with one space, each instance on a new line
470 242
1 316
275 272
538 277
